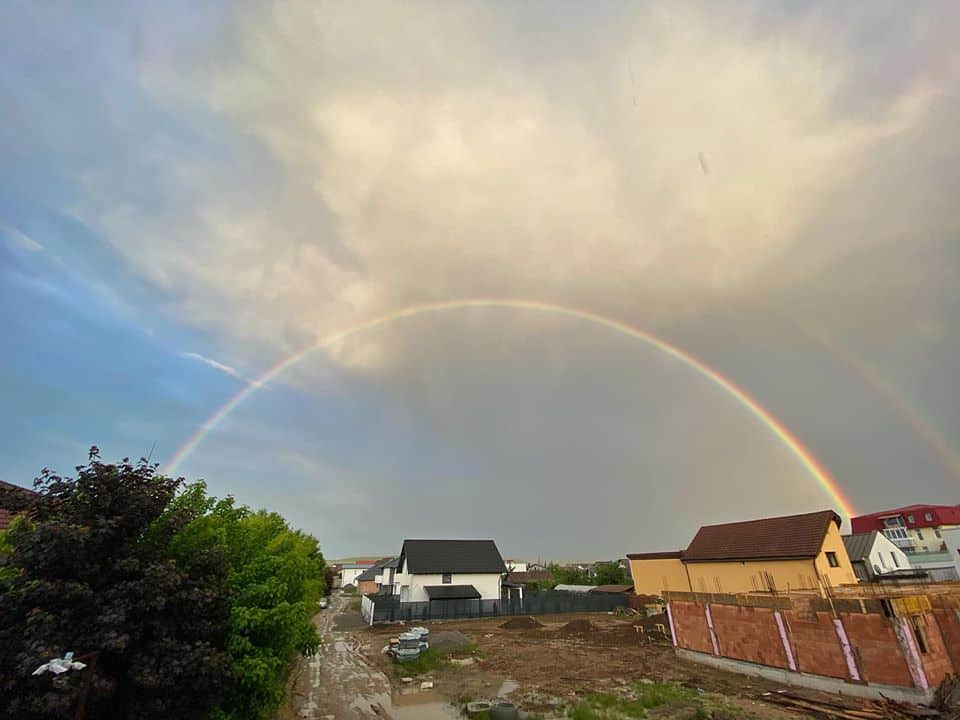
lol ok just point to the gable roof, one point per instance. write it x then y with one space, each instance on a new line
451 556
859 546
371 572
790 536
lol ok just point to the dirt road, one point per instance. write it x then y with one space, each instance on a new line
338 682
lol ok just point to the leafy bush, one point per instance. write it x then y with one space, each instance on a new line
181 604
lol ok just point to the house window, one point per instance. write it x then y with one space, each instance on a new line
893 556
446 578
910 519
892 522
928 517
832 559
936 531
919 535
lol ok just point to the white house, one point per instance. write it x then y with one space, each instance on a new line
448 572
873 556
350 571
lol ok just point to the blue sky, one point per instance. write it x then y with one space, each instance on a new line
187 198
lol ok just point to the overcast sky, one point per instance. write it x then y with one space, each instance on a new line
190 193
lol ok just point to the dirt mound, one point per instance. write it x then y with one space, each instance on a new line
521 623
578 627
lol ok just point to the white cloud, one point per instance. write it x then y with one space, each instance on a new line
210 362
19 240
441 162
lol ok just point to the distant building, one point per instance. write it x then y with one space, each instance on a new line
766 555
350 571
875 558
918 531
378 577
449 575
516 566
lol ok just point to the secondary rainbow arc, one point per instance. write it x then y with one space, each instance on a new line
773 424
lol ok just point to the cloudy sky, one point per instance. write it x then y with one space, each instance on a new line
190 194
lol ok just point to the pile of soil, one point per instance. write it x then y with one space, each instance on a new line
521 623
578 627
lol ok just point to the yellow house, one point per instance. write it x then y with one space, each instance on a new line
795 552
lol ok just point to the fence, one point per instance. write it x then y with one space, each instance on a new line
382 608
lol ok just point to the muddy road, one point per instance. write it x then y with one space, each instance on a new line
338 682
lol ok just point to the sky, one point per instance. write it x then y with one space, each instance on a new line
192 195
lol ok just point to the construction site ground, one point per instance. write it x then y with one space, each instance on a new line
563 659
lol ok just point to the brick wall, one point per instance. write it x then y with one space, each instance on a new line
949 625
690 623
748 633
876 649
936 661
816 646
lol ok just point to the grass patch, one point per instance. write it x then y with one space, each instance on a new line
355 604
645 696
428 661
470 648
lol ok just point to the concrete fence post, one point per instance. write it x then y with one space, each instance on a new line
713 634
791 663
847 649
901 627
673 629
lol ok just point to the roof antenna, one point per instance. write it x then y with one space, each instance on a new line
152 448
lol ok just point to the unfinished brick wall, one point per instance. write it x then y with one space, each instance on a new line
936 660
748 633
876 649
949 624
690 623
816 646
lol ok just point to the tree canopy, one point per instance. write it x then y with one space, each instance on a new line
181 605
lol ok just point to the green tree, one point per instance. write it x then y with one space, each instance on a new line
89 572
566 575
610 574
275 579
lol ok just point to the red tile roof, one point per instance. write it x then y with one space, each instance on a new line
939 514
791 536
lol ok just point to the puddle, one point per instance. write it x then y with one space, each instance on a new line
507 687
415 705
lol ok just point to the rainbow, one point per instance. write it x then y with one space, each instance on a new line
908 413
779 430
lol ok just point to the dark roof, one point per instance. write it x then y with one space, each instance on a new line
452 592
372 572
530 576
790 536
13 500
655 555
452 556
613 588
858 546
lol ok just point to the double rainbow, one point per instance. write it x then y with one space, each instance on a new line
779 430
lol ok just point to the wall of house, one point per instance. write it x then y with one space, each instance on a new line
749 576
843 574
882 555
807 635
367 586
349 575
951 538
412 586
652 577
